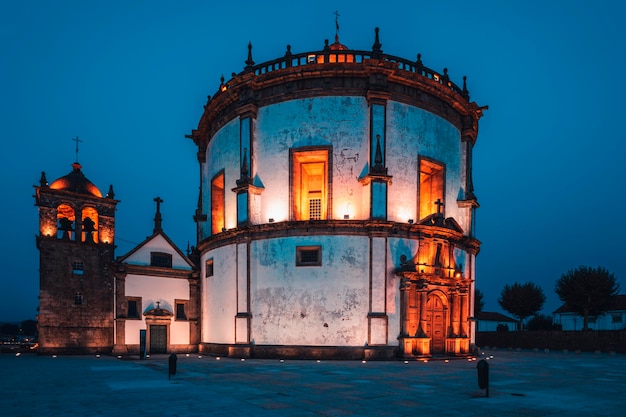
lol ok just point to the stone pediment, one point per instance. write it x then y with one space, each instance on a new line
438 220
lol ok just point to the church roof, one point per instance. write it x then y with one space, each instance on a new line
76 182
493 316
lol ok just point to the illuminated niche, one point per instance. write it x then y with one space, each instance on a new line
217 203
90 225
66 220
310 184
431 187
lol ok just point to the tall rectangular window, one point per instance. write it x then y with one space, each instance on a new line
181 310
133 308
208 268
310 183
431 187
217 203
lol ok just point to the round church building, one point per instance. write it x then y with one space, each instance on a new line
336 208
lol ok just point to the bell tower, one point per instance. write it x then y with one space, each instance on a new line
76 248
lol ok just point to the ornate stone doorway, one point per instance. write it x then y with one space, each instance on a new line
158 322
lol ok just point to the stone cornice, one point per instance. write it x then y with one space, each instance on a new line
369 79
370 228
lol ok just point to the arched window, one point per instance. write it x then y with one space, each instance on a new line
66 220
90 225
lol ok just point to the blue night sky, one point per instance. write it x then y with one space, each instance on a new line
130 78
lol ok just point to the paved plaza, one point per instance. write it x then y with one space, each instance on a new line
521 384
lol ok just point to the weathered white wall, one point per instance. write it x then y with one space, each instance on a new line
326 305
223 154
157 244
164 290
411 132
219 302
315 305
338 121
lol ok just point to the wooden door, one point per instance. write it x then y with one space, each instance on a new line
435 324
158 339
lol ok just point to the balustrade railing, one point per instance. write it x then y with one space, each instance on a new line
356 57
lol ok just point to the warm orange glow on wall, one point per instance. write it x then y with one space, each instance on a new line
48 230
343 209
277 210
106 235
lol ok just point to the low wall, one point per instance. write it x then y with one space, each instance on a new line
590 341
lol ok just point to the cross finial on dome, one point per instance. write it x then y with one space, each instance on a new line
336 26
76 140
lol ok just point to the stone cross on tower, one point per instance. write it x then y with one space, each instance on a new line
76 140
157 216
439 204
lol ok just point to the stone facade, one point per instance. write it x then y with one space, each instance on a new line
76 281
359 162
335 219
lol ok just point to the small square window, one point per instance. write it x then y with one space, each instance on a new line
78 298
161 259
617 318
308 256
78 268
133 308
208 270
181 309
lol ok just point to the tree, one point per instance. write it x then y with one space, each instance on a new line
540 322
29 327
587 291
479 301
522 300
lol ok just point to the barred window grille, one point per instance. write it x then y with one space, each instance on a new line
78 268
315 209
308 256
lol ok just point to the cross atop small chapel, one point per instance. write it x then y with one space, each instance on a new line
157 216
